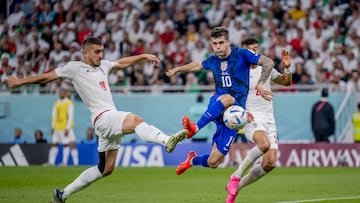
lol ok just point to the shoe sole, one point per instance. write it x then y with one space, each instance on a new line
178 137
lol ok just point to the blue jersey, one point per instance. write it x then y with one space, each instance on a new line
232 74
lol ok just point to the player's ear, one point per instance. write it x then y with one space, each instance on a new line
85 52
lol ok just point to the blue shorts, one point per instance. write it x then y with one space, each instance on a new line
224 137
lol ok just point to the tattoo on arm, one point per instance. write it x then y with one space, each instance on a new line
267 65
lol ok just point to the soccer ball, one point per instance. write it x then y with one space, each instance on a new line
235 117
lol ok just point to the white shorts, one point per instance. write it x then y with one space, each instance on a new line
108 126
60 138
268 127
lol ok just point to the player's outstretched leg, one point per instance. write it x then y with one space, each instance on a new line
186 164
189 126
57 196
232 189
174 139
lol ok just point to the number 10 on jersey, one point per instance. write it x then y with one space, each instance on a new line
226 81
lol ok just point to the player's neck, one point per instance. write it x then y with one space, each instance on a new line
89 64
228 52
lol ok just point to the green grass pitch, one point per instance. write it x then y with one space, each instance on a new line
198 185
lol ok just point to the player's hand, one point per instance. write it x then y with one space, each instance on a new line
66 133
250 117
152 58
285 58
171 72
13 82
266 94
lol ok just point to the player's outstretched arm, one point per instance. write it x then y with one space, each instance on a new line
190 67
286 78
131 60
14 82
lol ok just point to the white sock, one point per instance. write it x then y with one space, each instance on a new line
150 133
254 174
85 179
75 156
52 154
66 153
251 156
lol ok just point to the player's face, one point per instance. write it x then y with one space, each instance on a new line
68 94
62 94
253 47
221 46
93 55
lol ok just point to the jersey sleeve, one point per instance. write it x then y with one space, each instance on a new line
107 65
67 71
274 74
205 64
249 55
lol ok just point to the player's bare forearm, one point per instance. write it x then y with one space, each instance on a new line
190 67
131 60
267 65
38 79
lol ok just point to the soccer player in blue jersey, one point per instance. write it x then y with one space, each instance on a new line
230 67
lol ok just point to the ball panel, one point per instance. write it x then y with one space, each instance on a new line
235 117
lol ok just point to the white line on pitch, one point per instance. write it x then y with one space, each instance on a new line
322 199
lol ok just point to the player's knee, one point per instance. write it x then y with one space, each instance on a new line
130 123
135 119
227 100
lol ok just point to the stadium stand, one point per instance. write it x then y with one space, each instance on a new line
37 36
322 36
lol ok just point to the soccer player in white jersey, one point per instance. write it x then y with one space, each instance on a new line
262 131
90 80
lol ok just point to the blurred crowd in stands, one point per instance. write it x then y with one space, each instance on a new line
322 36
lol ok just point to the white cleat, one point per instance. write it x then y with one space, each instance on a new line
174 139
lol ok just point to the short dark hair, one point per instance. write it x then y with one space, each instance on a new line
91 41
219 32
39 131
324 92
249 41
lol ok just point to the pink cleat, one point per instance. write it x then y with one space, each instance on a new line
230 199
232 189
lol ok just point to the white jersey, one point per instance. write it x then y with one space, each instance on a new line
255 104
91 83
